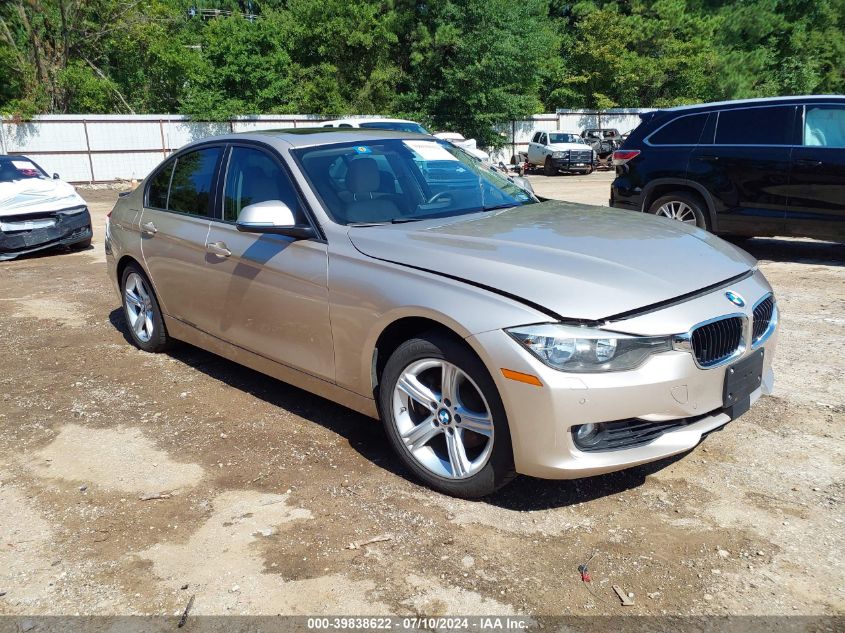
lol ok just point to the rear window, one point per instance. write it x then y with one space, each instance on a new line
157 193
755 126
190 187
685 130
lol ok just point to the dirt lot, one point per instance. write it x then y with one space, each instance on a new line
267 486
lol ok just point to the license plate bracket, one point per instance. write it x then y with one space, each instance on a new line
741 380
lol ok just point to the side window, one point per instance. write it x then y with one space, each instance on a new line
536 138
544 140
756 126
824 126
190 189
159 185
253 176
685 130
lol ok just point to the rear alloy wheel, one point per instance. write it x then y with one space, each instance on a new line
682 207
444 417
549 168
142 313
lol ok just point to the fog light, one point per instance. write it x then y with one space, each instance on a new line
586 434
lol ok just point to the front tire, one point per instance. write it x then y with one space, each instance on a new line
444 418
683 207
142 312
549 168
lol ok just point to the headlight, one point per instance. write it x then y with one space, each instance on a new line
585 350
558 154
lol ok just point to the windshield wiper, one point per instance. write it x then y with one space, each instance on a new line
366 223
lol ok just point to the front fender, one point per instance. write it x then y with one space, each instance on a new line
367 295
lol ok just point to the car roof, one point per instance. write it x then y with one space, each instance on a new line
311 136
366 120
755 101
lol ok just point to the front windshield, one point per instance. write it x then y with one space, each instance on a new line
565 138
397 180
13 168
399 126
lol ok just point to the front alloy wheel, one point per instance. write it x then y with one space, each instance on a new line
444 417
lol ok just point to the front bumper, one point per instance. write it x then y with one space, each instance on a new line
667 388
66 230
565 164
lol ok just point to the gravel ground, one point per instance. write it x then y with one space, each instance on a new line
130 481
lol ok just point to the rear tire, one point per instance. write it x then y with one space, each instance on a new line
455 438
683 207
142 312
549 168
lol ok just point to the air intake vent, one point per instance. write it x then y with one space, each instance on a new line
763 312
717 341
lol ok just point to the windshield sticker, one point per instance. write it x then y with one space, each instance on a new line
361 149
429 151
22 164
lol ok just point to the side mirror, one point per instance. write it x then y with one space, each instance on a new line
272 216
55 176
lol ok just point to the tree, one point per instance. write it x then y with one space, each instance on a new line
474 64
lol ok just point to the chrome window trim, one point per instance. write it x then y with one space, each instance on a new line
683 342
773 322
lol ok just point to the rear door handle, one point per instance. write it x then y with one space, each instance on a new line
218 248
148 228
708 158
808 162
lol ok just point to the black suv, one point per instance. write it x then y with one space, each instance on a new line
746 168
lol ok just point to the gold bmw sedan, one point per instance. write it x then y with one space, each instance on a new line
491 332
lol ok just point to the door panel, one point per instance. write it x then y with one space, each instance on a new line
173 239
174 256
746 169
748 185
817 184
271 297
270 292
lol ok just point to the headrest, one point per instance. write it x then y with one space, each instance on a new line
363 176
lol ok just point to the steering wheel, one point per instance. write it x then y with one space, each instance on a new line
436 197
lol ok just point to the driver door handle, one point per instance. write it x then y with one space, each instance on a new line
808 162
218 248
148 228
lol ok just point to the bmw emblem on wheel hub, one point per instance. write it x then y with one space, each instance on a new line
735 299
444 417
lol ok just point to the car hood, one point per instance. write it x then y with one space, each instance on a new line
565 147
575 261
36 195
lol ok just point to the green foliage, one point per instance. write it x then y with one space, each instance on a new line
473 64
465 65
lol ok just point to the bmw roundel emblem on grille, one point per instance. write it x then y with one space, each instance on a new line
735 299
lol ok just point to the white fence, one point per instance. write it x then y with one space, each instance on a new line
106 148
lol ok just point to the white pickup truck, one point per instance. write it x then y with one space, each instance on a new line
560 151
